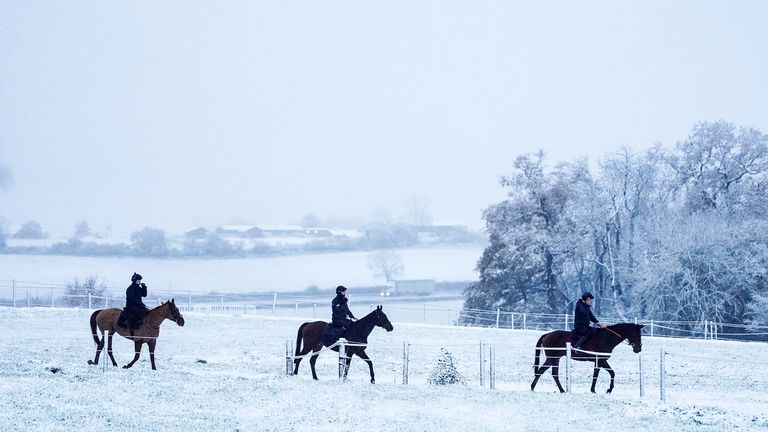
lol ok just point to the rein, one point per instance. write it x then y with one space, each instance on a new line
619 336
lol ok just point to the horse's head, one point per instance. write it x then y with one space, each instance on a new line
634 337
382 320
173 313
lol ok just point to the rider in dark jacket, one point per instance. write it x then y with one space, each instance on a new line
135 309
582 316
340 309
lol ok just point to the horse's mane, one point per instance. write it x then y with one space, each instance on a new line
161 305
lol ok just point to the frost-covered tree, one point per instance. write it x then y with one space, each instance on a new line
149 242
385 264
445 371
82 229
76 293
30 230
668 234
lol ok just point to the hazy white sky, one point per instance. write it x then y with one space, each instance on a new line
173 114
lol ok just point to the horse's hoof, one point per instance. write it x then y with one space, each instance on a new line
90 362
373 381
609 391
593 391
126 367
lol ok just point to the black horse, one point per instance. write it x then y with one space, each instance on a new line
312 335
603 342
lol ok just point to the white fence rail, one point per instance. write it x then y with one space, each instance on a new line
16 293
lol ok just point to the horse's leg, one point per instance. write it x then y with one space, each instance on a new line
604 364
109 348
296 361
312 361
151 345
539 371
137 350
595 373
367 359
99 347
555 362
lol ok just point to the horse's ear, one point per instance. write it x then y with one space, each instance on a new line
378 307
173 300
641 326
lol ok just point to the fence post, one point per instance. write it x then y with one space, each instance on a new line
425 312
89 300
51 297
405 362
498 313
714 329
492 368
662 376
482 365
651 328
512 321
221 302
189 300
104 352
525 325
566 322
568 367
705 329
27 298
13 291
106 298
342 359
642 384
274 303
288 369
296 308
314 310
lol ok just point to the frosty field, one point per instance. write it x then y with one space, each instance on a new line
253 274
227 373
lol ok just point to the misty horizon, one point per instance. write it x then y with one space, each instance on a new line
182 115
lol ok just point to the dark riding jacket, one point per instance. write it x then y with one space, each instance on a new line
582 316
133 304
340 311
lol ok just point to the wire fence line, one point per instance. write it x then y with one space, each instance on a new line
425 310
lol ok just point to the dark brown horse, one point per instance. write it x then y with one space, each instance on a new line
311 333
603 342
106 319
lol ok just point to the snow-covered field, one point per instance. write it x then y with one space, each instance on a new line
289 273
226 373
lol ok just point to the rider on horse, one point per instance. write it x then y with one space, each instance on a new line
582 316
340 310
339 321
135 310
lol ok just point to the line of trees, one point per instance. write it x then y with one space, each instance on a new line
669 234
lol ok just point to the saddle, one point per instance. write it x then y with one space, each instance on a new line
588 345
129 321
332 334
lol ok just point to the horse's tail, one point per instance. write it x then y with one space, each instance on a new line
539 344
299 337
93 327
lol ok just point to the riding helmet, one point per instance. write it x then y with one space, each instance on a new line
136 277
340 289
587 295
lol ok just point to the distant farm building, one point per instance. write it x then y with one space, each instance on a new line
244 231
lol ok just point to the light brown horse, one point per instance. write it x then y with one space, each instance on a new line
106 319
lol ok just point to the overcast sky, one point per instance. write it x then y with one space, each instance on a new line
175 114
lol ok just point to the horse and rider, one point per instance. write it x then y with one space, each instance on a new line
135 310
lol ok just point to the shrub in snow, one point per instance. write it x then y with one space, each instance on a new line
445 372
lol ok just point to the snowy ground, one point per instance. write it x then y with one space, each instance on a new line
227 373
